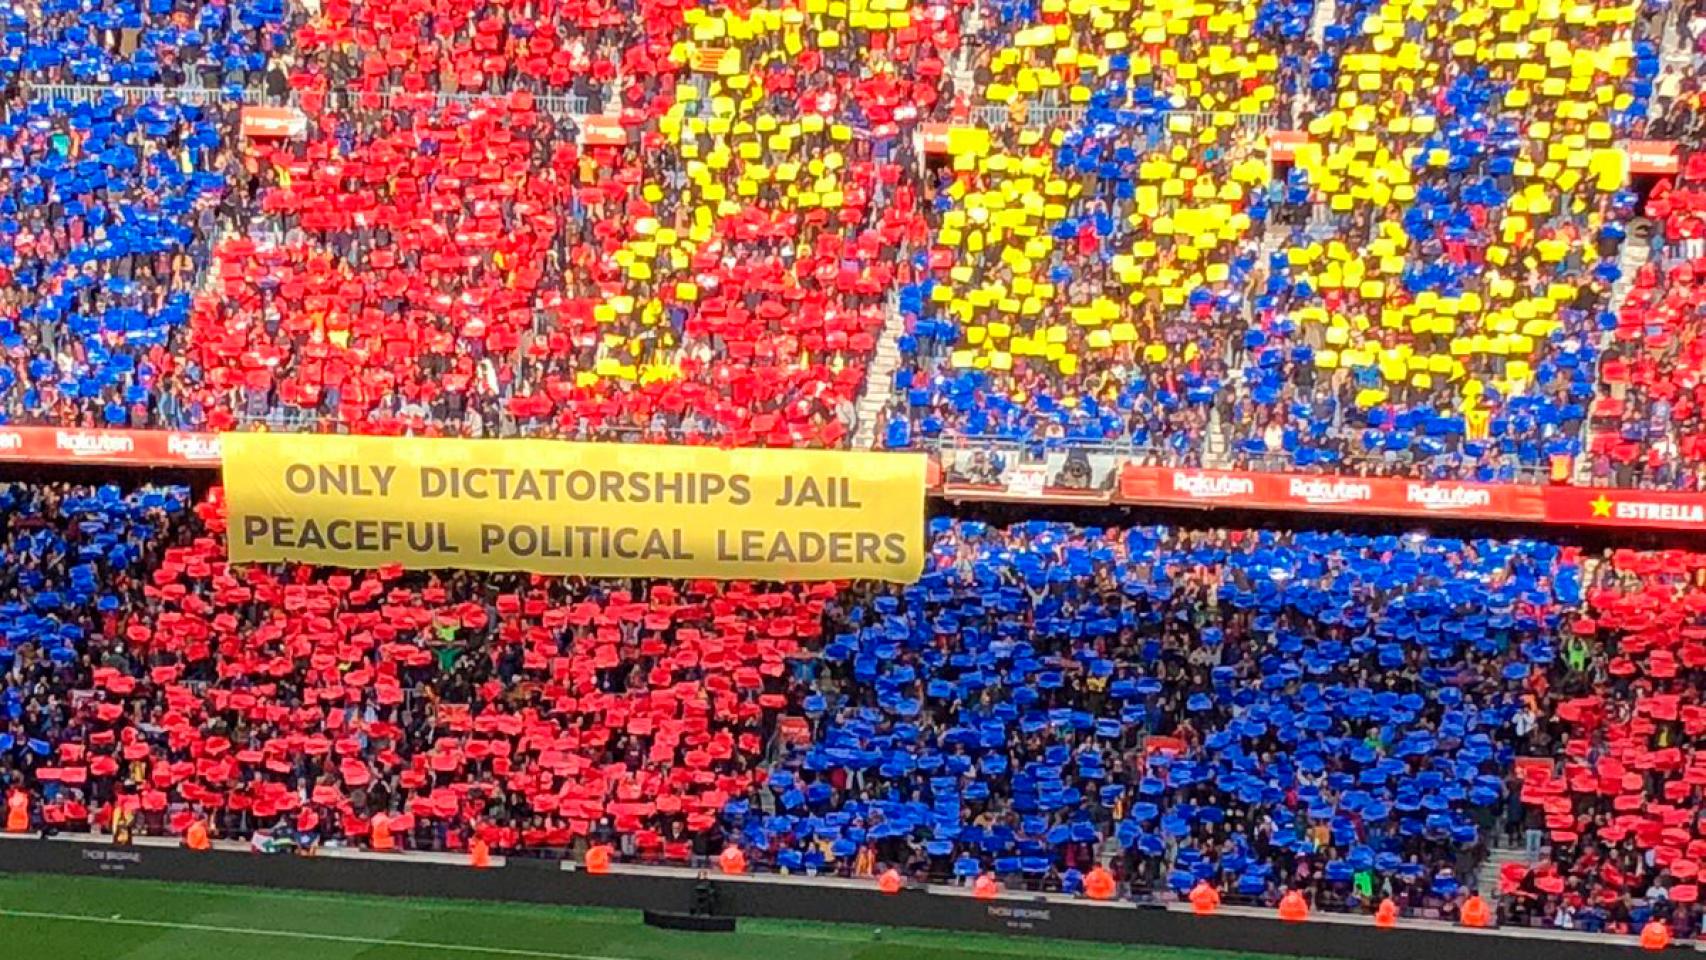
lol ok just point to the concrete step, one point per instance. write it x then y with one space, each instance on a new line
1636 251
879 376
1325 12
1496 860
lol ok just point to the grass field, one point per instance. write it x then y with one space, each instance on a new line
95 918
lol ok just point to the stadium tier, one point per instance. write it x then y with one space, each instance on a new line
1263 254
716 270
1420 292
1358 716
1645 423
109 217
1361 238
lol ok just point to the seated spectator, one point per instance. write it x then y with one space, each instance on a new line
1076 473
1620 779
1339 713
1230 699
73 555
977 467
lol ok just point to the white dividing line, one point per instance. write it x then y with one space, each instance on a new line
302 935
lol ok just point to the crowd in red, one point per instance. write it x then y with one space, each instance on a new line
1619 807
1648 428
533 712
483 266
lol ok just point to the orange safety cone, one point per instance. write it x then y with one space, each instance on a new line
890 881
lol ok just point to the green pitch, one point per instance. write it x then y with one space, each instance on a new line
95 918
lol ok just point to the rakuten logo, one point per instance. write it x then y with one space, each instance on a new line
11 440
87 443
1204 486
192 447
1446 497
1330 491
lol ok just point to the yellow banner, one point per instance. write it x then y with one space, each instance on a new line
587 509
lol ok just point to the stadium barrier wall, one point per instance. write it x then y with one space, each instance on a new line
800 898
1136 485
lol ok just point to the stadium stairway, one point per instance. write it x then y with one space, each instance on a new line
1494 867
1636 250
1673 44
1326 11
965 82
1216 445
879 379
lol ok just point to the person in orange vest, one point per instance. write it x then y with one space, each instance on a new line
1204 899
598 859
890 881
479 853
380 836
1099 883
1475 912
196 836
732 861
18 812
985 887
1655 935
1293 908
1386 916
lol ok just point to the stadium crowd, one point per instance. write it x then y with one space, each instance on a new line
110 211
536 713
1104 250
665 221
170 43
1354 716
719 272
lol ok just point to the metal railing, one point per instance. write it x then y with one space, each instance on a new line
287 418
949 442
1222 455
561 105
1049 115
234 860
571 106
1373 465
284 418
95 93
1090 467
575 106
